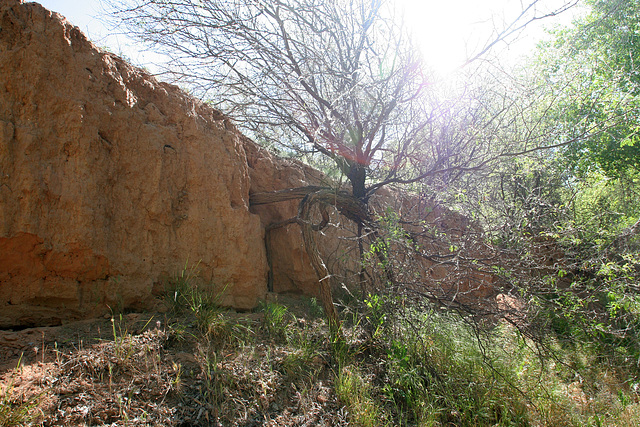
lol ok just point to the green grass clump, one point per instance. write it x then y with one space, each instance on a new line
15 411
436 370
277 320
432 368
356 393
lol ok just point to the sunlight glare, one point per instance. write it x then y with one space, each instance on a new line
452 31
448 32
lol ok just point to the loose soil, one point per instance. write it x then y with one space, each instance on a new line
161 370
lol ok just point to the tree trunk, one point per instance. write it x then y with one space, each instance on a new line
324 277
357 177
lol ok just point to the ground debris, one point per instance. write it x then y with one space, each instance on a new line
136 370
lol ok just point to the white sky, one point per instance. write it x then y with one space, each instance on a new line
86 14
450 31
447 30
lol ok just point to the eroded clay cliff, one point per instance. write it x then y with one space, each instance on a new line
110 181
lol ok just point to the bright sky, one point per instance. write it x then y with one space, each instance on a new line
86 14
447 30
451 31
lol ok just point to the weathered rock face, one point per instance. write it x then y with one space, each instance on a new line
110 182
291 269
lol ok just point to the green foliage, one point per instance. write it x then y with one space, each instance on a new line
573 265
313 308
304 338
276 321
430 367
613 29
439 371
188 294
355 392
123 347
593 71
376 315
427 368
391 233
601 314
603 207
299 364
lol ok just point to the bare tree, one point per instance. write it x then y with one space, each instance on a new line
336 78
340 77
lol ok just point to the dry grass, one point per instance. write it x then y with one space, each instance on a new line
207 367
140 370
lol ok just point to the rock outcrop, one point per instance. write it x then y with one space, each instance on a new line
110 181
291 268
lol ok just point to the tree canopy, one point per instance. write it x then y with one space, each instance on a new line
339 78
593 69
